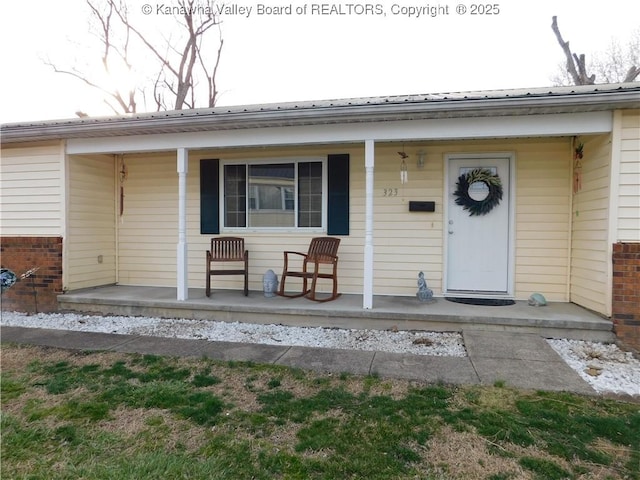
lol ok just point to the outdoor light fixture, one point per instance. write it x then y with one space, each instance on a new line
421 156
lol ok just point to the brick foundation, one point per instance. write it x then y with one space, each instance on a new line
20 254
626 293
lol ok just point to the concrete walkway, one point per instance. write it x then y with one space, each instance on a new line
519 360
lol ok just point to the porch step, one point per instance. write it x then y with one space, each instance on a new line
556 320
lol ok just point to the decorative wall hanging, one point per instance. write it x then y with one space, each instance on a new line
578 153
123 173
577 176
404 174
478 207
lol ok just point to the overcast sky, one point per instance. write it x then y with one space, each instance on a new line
317 52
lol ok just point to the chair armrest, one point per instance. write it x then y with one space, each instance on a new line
287 252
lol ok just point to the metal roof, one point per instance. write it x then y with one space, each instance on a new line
351 110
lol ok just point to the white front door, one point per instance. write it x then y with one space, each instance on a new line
478 237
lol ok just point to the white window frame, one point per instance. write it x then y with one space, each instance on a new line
274 160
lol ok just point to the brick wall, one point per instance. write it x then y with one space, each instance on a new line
20 254
626 293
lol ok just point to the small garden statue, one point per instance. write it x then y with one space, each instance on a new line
424 294
270 283
537 300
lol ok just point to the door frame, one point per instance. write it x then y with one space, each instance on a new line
511 157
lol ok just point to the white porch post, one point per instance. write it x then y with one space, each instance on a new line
367 295
183 167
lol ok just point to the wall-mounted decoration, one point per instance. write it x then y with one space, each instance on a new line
577 176
123 173
404 174
488 203
578 153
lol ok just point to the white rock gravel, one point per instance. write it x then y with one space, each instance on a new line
427 343
620 371
614 371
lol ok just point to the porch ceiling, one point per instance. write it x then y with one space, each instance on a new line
539 101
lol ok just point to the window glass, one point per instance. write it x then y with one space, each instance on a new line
263 195
270 186
235 195
310 194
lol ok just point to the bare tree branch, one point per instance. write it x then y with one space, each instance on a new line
114 95
211 77
576 65
632 74
184 72
181 68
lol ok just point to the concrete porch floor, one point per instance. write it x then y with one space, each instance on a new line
556 320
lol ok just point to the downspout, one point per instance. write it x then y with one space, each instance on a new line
614 195
572 195
118 194
367 295
182 273
65 184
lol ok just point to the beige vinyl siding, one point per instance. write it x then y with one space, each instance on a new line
31 198
542 218
91 236
629 175
266 249
589 243
148 229
405 243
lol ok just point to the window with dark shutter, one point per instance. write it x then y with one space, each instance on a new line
261 195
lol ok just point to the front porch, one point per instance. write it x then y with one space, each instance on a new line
557 319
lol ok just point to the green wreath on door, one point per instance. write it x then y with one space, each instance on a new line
478 207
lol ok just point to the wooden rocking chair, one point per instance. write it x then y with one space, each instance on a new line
322 251
227 249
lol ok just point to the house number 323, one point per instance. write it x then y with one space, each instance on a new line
390 192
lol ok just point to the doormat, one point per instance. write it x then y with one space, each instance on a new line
489 302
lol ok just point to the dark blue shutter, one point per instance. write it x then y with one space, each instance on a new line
209 196
338 208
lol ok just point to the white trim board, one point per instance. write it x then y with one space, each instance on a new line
406 130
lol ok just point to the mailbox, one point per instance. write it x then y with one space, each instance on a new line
422 206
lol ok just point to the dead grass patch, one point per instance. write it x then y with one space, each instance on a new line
465 455
156 426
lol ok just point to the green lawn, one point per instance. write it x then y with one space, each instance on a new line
69 415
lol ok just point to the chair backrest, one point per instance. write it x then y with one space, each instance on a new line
224 249
323 249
